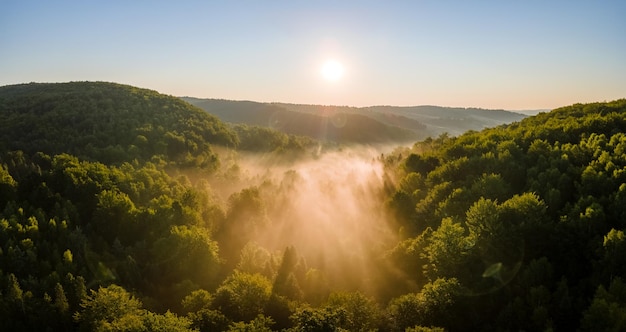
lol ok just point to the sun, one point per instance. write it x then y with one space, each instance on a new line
332 70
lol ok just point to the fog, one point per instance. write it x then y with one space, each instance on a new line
328 206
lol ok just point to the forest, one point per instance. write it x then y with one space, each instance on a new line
122 209
361 125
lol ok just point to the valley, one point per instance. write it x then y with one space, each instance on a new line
122 208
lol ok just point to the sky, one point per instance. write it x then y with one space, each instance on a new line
500 54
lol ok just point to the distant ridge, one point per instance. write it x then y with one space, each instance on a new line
326 124
532 112
415 122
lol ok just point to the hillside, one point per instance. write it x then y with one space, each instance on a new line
426 120
326 124
528 219
416 122
108 122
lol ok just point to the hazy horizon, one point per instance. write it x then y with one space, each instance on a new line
491 55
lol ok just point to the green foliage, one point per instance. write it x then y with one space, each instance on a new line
448 248
198 307
429 307
607 311
245 216
109 306
243 296
197 300
256 259
114 309
317 320
259 324
260 139
359 312
165 322
109 122
514 210
285 283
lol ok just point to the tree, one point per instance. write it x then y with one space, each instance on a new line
607 311
198 307
242 296
113 309
308 319
432 306
109 306
7 185
197 300
60 300
483 220
448 248
256 259
166 322
259 324
246 214
285 283
114 216
614 260
360 313
186 252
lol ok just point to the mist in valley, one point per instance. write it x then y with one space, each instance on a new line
328 206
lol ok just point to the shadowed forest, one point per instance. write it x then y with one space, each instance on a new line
122 209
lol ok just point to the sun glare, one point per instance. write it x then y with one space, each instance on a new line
332 70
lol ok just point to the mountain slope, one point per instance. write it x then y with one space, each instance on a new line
325 124
392 123
108 122
534 207
430 120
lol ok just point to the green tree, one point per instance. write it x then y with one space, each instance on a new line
607 311
360 313
285 283
165 322
256 259
430 307
198 307
197 300
107 307
448 249
614 260
187 252
60 300
113 217
259 324
7 185
242 296
308 319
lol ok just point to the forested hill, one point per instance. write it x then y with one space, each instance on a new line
520 226
107 122
325 123
384 123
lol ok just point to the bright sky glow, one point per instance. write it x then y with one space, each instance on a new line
332 70
490 54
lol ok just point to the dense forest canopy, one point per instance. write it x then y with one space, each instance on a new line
124 209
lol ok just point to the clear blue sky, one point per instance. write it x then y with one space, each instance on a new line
490 54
